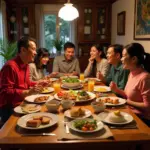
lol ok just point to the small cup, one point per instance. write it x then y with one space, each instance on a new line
82 76
98 106
52 105
67 104
91 84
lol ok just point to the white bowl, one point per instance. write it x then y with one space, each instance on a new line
71 85
52 105
98 106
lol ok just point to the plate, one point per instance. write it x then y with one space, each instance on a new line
95 79
102 89
22 121
87 114
19 110
32 97
104 116
100 126
48 90
53 79
72 88
92 95
121 101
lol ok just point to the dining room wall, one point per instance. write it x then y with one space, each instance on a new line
128 7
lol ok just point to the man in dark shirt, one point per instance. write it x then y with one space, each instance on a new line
14 78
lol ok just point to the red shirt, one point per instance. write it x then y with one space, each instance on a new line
14 78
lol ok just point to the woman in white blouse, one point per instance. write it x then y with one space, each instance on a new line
38 68
97 62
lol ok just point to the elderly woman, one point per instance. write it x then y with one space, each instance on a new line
97 62
137 90
38 68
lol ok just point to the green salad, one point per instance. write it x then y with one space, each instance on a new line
85 125
71 80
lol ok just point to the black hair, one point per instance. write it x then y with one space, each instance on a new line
69 45
118 48
24 42
41 52
136 49
100 49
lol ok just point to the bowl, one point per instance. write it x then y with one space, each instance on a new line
67 104
71 82
64 77
98 106
52 105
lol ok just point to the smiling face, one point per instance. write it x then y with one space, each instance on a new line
30 52
112 57
127 61
94 52
69 53
44 60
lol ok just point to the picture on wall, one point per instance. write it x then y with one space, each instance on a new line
142 20
121 23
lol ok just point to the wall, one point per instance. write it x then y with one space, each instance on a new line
128 6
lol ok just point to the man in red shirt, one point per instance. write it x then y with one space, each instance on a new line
14 78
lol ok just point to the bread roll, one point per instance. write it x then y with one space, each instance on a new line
37 117
33 123
45 120
74 112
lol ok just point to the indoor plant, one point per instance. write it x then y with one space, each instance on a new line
58 44
7 49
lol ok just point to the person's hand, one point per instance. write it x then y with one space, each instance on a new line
113 86
53 74
43 83
74 73
99 75
91 59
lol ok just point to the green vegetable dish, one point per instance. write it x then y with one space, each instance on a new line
71 80
85 125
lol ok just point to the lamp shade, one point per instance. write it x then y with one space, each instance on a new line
68 12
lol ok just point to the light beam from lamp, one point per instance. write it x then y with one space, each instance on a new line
68 12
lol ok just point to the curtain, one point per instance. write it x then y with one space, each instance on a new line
3 25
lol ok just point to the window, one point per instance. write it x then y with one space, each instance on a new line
55 28
49 27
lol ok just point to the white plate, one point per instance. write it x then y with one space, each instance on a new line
72 88
95 79
48 90
32 98
22 121
97 89
87 114
19 110
121 101
104 116
100 126
53 79
92 96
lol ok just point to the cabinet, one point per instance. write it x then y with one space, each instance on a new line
21 21
93 25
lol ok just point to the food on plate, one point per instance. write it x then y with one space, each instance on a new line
85 125
116 117
45 90
36 121
77 112
45 120
29 107
33 123
110 100
41 99
73 95
101 89
83 95
71 80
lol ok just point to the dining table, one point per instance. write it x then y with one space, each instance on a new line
14 137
